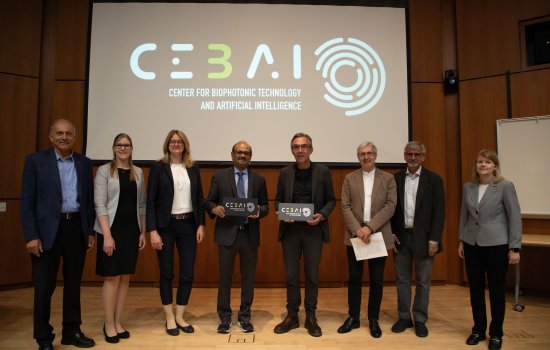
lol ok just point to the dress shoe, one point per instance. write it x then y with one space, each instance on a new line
401 325
186 329
475 338
288 323
246 327
224 327
114 339
124 335
45 346
312 327
420 329
171 331
79 340
374 329
349 324
495 343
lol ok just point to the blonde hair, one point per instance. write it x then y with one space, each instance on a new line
114 172
493 157
187 160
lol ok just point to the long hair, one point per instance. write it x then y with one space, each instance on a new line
114 172
187 160
493 157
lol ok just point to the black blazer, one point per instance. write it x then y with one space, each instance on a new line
429 212
160 195
223 185
322 194
41 196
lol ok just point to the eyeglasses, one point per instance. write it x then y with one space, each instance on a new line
175 142
412 154
242 153
122 145
367 154
298 147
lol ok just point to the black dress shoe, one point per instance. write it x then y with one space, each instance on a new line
288 323
124 335
79 340
420 329
171 331
186 329
246 327
374 328
312 327
114 339
495 343
349 324
475 338
224 327
401 325
45 346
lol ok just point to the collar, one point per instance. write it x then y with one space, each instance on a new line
236 171
58 156
418 172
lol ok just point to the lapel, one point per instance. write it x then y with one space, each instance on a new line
231 180
79 173
360 187
491 190
54 171
422 185
400 182
472 192
377 183
290 181
250 184
313 181
166 168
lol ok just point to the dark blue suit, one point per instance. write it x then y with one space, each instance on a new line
40 211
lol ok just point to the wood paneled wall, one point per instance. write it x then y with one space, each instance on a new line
42 77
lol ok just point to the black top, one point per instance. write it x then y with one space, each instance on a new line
302 186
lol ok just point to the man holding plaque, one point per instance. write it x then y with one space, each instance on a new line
310 183
369 197
237 199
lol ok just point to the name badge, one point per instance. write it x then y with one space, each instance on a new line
296 211
240 206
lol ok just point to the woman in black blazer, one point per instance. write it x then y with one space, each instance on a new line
175 216
490 239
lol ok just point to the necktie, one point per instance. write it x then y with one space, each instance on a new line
240 185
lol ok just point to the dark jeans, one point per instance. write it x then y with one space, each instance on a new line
226 258
376 285
69 244
302 239
493 262
182 234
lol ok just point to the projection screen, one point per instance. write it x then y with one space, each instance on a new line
254 72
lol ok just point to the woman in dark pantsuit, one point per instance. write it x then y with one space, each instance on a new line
175 217
490 239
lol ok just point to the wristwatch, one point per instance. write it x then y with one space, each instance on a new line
515 250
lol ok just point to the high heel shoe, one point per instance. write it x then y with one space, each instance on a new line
172 331
112 340
123 335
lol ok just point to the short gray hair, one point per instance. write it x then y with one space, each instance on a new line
415 145
365 144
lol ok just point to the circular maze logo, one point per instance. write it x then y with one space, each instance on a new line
370 81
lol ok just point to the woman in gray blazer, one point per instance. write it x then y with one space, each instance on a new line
490 239
119 197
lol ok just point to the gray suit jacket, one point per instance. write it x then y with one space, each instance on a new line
384 198
107 190
322 192
496 220
223 185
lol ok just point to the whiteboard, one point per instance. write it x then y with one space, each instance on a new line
524 152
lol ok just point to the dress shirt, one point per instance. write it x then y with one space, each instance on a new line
245 179
411 188
69 191
182 190
368 183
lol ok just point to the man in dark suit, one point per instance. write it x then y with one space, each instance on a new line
236 234
304 182
57 214
418 226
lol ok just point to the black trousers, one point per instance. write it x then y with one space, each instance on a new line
248 257
302 239
355 283
182 234
69 244
491 261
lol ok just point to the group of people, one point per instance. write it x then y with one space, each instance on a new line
59 221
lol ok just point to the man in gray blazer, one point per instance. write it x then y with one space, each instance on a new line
235 234
304 182
418 227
